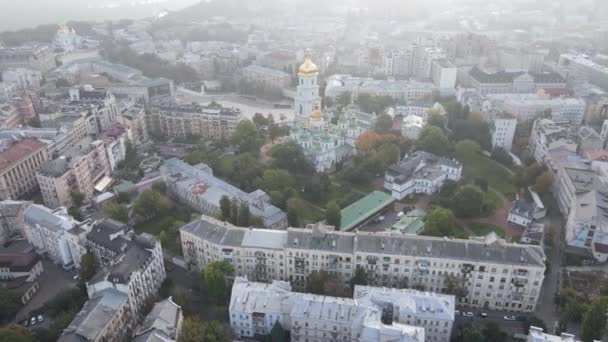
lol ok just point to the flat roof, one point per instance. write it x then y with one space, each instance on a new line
410 223
364 208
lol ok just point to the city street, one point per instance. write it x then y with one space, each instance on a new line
509 327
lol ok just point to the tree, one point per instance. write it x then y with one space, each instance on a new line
10 302
196 330
455 285
246 137
594 321
534 322
573 307
277 199
333 215
434 118
471 333
214 280
468 201
384 123
225 207
433 140
88 266
293 215
244 215
290 156
359 278
492 333
344 99
234 212
502 156
389 154
439 222
367 141
15 333
466 149
116 211
164 239
259 120
543 183
151 204
77 197
316 282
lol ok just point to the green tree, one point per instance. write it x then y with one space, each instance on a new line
594 321
384 123
293 213
534 322
290 156
434 118
244 215
440 222
246 137
543 183
88 266
225 207
316 282
344 99
15 333
471 333
333 215
502 156
359 278
389 153
164 239
10 301
151 204
234 213
277 199
116 211
466 149
468 201
214 280
492 333
196 330
77 197
455 285
433 140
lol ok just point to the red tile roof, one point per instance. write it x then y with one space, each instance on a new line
19 151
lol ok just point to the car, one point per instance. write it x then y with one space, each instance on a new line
25 323
457 312
32 320
40 318
522 318
379 219
483 315
509 318
468 314
76 277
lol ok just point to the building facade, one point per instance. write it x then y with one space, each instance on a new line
37 57
492 273
269 77
503 130
18 166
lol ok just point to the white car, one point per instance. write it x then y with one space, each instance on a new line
40 318
483 315
32 320
468 314
509 318
457 312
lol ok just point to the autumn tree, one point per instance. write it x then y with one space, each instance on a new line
367 141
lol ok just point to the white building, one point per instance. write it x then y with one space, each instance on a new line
492 273
399 90
23 79
405 315
412 126
67 39
162 324
307 91
581 68
536 334
503 130
420 173
531 106
444 75
548 135
269 77
7 91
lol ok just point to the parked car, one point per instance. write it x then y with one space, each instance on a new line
509 318
40 318
483 315
457 312
468 314
32 320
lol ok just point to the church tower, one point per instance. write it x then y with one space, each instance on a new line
307 94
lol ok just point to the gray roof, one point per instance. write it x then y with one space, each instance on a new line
421 164
522 208
101 235
48 218
95 315
161 324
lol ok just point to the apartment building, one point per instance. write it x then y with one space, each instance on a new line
536 334
420 173
444 75
182 120
100 102
548 135
80 167
56 234
24 79
134 118
25 266
493 274
532 106
504 82
581 68
115 140
399 90
196 187
503 130
132 264
266 76
37 57
19 163
255 308
163 323
11 219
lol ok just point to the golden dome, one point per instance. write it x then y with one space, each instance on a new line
308 67
63 28
316 115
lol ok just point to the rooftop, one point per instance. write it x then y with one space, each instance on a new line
362 209
410 223
19 151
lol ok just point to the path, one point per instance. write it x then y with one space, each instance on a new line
266 148
498 218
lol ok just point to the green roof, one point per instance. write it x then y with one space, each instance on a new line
357 212
411 223
124 186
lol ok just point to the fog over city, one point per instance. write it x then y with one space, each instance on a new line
304 170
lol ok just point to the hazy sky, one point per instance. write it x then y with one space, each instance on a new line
17 14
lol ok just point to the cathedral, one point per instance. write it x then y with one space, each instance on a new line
67 39
323 142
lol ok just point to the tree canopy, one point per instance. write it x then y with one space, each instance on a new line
246 137
196 330
214 280
88 266
384 123
332 215
433 140
290 156
439 222
116 211
468 201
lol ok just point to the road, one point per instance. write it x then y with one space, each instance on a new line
546 309
509 327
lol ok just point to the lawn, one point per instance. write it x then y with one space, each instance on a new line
481 229
479 166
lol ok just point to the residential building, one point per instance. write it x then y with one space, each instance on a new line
521 213
397 62
56 234
411 126
196 187
522 59
399 90
134 118
422 172
132 264
83 167
269 77
493 273
99 102
55 139
23 266
7 91
536 334
37 57
444 75
503 130
11 219
548 135
163 323
532 106
19 163
255 308
24 79
104 317
579 67
214 121
512 82
10 116
115 141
